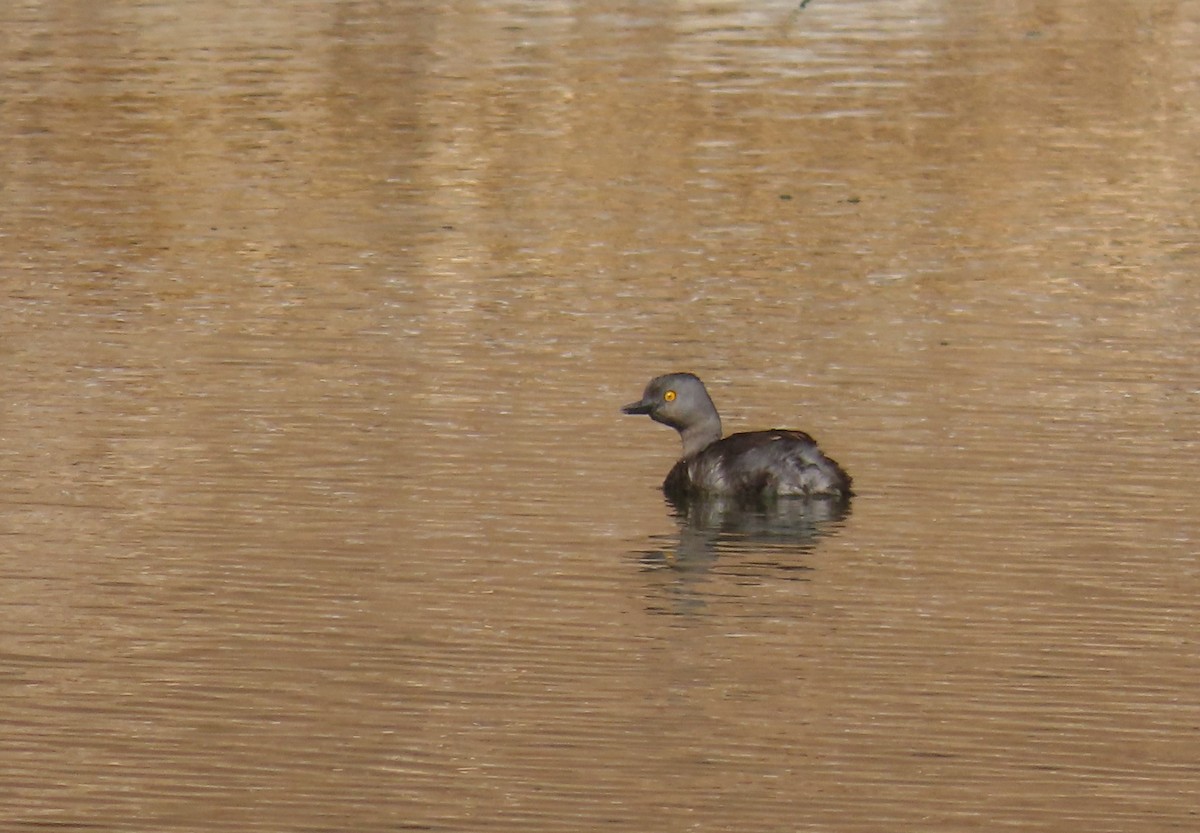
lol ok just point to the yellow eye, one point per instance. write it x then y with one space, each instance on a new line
669 396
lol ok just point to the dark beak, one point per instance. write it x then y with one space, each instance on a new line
642 406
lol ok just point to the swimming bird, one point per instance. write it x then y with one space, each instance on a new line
755 465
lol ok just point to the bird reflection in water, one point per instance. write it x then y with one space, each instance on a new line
774 531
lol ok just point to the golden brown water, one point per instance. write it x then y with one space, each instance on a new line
319 511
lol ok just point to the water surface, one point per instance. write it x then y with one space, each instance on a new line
319 510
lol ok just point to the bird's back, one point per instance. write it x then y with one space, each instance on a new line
759 464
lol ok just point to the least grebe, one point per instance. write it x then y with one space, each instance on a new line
753 465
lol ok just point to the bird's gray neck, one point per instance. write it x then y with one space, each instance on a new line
700 435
